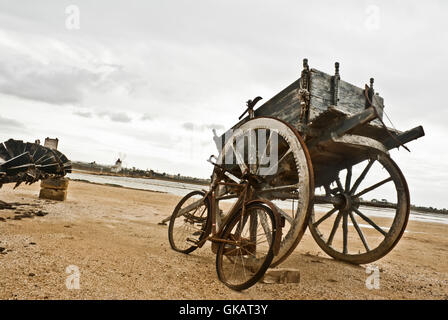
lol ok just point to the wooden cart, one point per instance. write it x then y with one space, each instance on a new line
332 171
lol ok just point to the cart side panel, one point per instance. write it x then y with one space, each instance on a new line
284 105
351 99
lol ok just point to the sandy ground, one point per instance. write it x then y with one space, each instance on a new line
111 235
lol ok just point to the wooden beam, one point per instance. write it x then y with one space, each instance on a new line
344 125
404 137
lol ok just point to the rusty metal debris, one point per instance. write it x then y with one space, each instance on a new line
30 162
250 107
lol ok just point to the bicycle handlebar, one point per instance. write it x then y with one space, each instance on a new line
246 175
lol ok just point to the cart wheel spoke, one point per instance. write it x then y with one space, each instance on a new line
242 263
274 167
377 204
335 227
253 224
373 187
362 176
359 231
325 217
281 188
266 228
239 159
344 232
320 199
194 206
348 179
368 220
240 225
264 153
287 217
338 182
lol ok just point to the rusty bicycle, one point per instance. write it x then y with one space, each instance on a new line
245 239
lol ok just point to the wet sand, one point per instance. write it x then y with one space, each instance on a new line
111 235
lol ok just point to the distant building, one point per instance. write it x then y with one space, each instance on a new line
51 143
116 167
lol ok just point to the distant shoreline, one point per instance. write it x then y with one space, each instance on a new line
415 209
115 185
110 174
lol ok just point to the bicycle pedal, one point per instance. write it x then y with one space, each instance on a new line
192 241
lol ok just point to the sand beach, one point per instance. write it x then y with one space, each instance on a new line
111 235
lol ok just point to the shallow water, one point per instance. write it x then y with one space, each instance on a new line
181 189
177 188
389 213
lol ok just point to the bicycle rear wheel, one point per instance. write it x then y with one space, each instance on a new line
248 251
189 222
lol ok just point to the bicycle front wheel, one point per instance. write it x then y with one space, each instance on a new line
247 248
189 222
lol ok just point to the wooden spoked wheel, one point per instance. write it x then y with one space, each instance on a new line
363 213
275 153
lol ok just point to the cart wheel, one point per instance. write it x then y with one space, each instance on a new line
273 151
373 211
248 251
189 222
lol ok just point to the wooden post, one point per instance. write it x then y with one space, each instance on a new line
53 188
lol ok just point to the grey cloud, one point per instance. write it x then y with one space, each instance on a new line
113 116
116 116
146 117
84 114
193 127
120 117
6 123
214 126
59 83
188 126
25 78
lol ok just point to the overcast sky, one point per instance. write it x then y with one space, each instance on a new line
149 79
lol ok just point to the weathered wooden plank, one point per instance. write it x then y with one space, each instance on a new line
351 98
344 125
321 93
285 105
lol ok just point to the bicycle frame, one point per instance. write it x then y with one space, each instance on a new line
214 234
246 193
